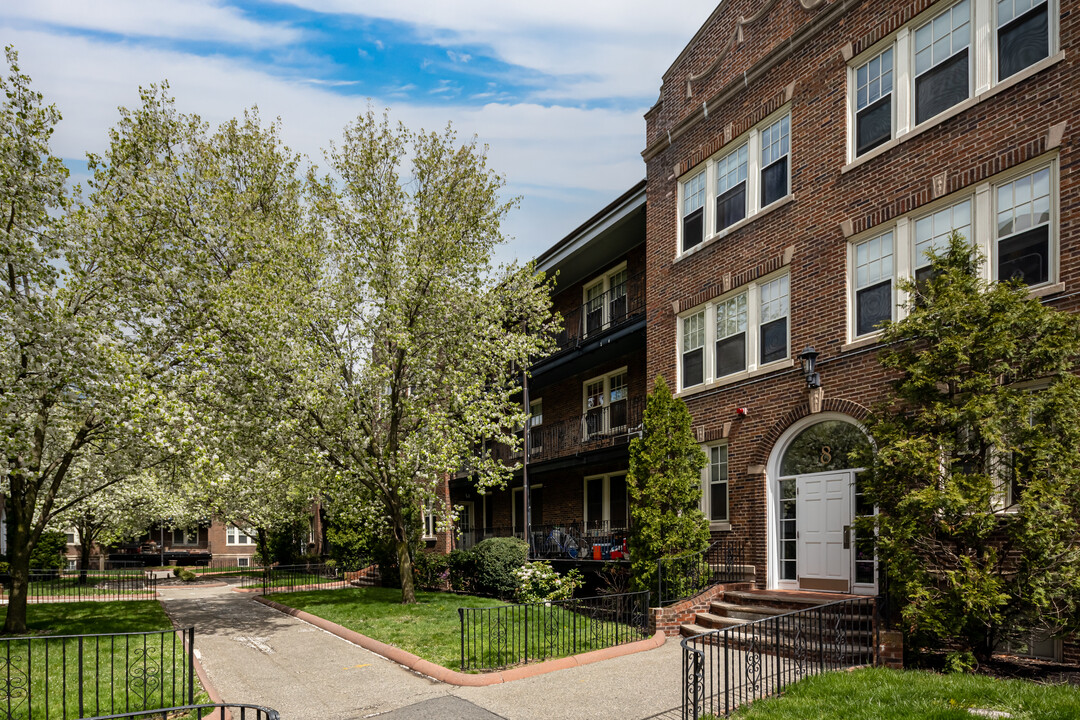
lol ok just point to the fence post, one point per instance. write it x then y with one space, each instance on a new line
659 582
461 617
526 607
191 665
81 713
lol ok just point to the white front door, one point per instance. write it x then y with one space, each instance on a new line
823 512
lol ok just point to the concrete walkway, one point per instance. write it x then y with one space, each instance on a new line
258 655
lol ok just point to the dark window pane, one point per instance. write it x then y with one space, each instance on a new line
774 340
774 182
536 506
618 502
594 499
489 512
1023 41
873 125
519 512
873 307
718 502
617 306
594 421
618 413
1026 256
731 206
693 367
594 317
941 87
731 355
692 227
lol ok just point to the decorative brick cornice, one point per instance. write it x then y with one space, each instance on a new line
729 281
951 181
735 129
831 404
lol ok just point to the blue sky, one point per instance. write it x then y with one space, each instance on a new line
557 88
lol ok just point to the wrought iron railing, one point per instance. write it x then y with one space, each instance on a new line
621 304
79 676
607 426
724 669
46 586
683 576
236 711
507 635
290 578
563 541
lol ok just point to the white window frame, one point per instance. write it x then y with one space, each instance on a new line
707 486
751 139
233 535
604 282
605 497
431 521
982 233
753 334
853 263
606 401
982 68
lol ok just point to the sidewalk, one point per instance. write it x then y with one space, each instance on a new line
258 655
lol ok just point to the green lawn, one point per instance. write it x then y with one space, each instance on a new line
117 673
879 694
431 628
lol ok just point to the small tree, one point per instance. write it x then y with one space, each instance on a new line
664 484
977 471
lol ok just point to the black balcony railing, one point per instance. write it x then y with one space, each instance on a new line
563 541
47 586
687 575
621 304
81 676
607 426
725 669
509 635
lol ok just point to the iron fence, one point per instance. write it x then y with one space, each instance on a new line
236 711
593 540
683 576
724 669
622 303
290 578
506 635
47 586
77 676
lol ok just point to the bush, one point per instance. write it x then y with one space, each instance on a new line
461 565
538 582
185 574
496 559
49 552
431 570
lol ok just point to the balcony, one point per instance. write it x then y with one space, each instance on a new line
618 306
601 427
565 541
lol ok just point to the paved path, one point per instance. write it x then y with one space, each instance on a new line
258 655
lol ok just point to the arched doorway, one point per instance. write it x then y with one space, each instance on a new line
813 500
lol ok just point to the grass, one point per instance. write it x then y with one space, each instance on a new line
431 628
879 694
116 674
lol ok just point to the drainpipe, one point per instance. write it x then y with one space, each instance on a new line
525 465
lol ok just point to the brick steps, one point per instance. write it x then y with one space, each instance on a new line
742 605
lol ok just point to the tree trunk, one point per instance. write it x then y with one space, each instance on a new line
405 567
85 547
22 543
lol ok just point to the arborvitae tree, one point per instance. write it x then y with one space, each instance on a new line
977 471
664 484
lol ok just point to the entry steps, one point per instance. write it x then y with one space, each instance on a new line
738 607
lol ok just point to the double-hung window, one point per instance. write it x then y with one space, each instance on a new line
942 62
873 283
236 536
775 147
605 401
773 318
716 341
605 300
715 487
731 321
606 502
873 102
731 188
1023 228
693 216
1023 34
932 234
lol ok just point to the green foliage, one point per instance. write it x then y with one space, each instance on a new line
538 582
496 559
432 570
664 484
285 544
977 470
348 542
48 553
461 565
186 574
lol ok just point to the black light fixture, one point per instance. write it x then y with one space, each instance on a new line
809 362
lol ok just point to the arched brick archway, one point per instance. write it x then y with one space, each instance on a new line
768 441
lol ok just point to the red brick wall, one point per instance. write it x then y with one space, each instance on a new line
997 133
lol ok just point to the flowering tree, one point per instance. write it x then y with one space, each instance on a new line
391 344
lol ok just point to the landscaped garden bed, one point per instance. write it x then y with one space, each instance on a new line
879 694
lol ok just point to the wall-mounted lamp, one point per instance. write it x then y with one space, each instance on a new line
808 357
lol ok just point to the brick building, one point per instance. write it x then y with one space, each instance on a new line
585 401
801 158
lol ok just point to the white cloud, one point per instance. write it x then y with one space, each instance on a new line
548 154
203 20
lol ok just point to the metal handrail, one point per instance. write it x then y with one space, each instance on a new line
260 712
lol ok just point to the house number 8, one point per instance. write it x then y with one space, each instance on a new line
826 455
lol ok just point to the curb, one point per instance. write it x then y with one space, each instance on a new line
453 677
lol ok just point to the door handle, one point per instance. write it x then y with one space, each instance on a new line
847 537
